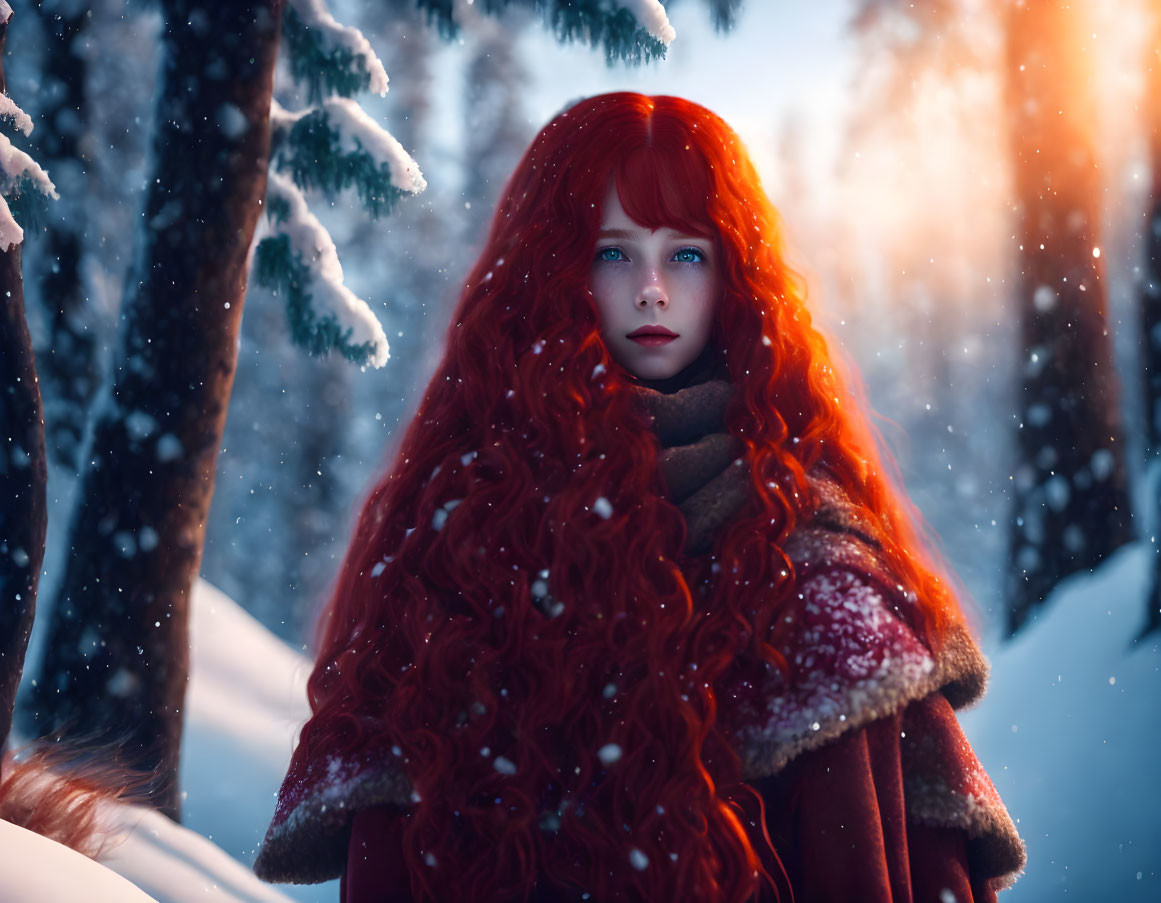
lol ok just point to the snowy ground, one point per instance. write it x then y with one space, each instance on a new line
246 701
1068 730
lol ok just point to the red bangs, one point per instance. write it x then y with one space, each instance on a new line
666 181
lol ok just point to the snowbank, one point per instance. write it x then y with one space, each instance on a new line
247 699
177 865
1069 731
34 869
246 702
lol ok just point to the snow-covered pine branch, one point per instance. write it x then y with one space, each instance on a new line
299 260
629 30
338 145
24 186
331 145
616 28
650 15
9 110
327 57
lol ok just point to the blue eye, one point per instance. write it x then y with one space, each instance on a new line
610 254
689 255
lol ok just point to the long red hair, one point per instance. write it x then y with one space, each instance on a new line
494 628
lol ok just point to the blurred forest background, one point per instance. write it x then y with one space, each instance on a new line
883 135
969 189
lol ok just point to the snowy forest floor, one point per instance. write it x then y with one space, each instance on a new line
1067 730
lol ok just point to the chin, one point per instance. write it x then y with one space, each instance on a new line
655 372
655 368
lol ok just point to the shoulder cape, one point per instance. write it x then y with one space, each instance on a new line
856 657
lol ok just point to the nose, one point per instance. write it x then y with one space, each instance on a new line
652 293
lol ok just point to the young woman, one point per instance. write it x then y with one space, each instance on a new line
635 614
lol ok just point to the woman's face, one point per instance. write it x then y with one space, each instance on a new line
655 290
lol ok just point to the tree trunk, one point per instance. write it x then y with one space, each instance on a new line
116 662
1151 305
1071 504
68 363
23 475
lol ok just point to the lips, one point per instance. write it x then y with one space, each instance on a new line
652 336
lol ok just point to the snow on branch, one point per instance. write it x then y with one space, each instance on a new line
338 145
629 30
9 110
299 260
15 165
282 121
650 15
359 131
328 57
331 145
24 186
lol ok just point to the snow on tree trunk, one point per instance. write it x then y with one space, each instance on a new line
1069 489
116 657
68 362
23 469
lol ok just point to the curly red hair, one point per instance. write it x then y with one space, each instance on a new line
494 627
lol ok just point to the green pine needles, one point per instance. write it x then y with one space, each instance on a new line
282 270
599 23
28 204
331 146
314 156
439 14
325 71
602 24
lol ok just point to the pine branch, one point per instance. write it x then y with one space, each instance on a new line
329 58
300 262
599 23
9 110
24 186
27 204
616 30
338 146
282 270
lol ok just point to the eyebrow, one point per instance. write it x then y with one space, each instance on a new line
632 234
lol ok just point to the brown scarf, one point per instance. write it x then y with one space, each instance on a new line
704 474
